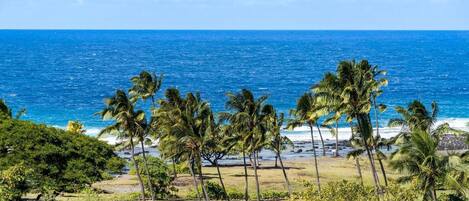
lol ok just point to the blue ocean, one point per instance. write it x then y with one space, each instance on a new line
61 75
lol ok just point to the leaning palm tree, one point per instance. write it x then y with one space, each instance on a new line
277 142
304 114
120 109
247 119
145 86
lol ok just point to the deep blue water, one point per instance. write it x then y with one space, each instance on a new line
64 75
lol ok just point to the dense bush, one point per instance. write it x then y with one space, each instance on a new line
160 174
274 195
350 191
59 160
214 191
14 182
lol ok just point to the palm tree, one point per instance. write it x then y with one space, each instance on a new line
75 127
416 117
304 114
277 142
247 119
351 91
145 86
419 158
219 143
8 112
185 120
126 124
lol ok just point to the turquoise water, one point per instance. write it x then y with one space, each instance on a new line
64 75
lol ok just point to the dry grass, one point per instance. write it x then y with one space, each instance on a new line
270 178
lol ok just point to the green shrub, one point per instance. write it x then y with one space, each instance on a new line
60 160
235 194
274 195
350 191
161 179
214 191
115 165
15 182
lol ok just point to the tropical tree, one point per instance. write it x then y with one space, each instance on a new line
126 125
247 118
219 142
351 90
75 127
145 86
185 121
357 144
8 112
419 158
277 142
304 114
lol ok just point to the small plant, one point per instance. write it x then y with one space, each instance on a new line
274 195
214 191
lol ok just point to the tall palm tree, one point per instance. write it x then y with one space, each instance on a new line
219 143
186 120
351 89
145 86
277 142
120 109
247 119
304 114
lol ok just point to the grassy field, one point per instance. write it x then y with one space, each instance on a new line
270 178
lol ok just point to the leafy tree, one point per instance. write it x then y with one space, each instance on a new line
159 177
15 182
145 86
61 161
75 127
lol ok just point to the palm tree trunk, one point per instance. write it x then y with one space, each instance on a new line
377 134
357 161
145 166
383 171
221 180
276 159
258 191
196 185
370 156
284 174
201 178
315 159
246 193
336 139
174 168
322 140
137 169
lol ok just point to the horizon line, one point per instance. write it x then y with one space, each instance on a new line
131 29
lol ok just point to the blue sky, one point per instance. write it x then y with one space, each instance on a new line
234 14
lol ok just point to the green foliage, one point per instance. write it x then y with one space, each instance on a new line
350 191
274 195
61 161
115 165
14 182
235 194
214 191
160 175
